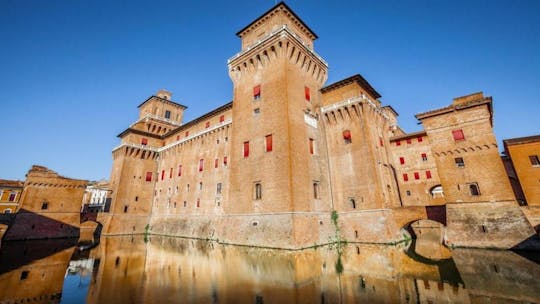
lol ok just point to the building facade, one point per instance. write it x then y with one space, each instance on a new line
291 162
10 194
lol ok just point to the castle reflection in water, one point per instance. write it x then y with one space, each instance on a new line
164 270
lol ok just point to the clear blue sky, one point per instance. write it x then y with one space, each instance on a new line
73 72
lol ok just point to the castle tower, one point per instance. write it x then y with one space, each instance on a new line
276 147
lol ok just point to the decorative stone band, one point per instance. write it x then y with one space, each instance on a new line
178 142
351 101
148 116
279 31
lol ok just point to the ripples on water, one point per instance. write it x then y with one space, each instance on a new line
166 270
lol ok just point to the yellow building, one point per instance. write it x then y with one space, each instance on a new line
272 166
10 194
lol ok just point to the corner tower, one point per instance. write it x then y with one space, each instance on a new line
275 166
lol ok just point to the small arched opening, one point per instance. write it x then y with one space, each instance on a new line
428 238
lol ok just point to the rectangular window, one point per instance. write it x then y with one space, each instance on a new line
44 206
168 114
402 160
216 163
311 146
222 118
398 143
170 173
459 162
207 124
225 160
187 134
458 134
149 176
381 143
177 137
405 177
268 143
180 170
316 189
416 175
424 156
428 174
257 92
144 141
162 174
307 94
201 164
12 196
535 161
198 202
257 191
420 139
347 136
409 141
474 189
218 188
246 148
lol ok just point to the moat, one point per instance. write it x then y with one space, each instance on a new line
154 269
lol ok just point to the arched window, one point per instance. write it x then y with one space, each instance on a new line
353 202
436 191
258 191
474 189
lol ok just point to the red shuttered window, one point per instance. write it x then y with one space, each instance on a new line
201 164
144 141
458 134
225 161
420 139
246 148
311 146
428 174
187 134
268 143
398 143
257 92
307 94
148 176
424 156
207 124
405 177
222 118
416 175
409 141
180 170
402 160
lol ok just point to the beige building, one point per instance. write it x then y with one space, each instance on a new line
10 194
291 162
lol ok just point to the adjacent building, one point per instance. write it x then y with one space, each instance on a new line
10 194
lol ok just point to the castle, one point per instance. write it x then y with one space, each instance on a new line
291 161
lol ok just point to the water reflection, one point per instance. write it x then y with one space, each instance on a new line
161 270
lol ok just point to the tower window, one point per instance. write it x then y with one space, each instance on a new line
459 162
24 275
186 134
420 139
207 124
268 141
409 141
347 136
316 189
405 177
307 94
44 206
353 202
381 142
428 174
162 174
216 163
398 143
458 134
170 173
222 118
180 170
258 191
201 164
246 149
402 160
218 188
144 141
149 176
424 156
474 189
311 148
257 92
535 161
168 114
198 202
125 209
416 175
225 160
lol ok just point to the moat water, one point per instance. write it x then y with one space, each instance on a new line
175 270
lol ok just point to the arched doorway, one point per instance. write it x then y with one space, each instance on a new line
428 239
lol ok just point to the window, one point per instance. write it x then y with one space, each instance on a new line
225 160
148 176
398 143
347 136
218 188
316 189
177 137
12 196
162 174
216 163
408 193
474 189
24 275
409 141
353 202
246 148
257 92
200 185
201 164
180 170
405 177
44 206
268 143
198 202
170 173
168 114
535 161
186 134
207 124
458 135
402 160
125 209
7 211
311 151
424 156
436 191
381 142
136 198
459 162
144 141
428 174
307 94
258 191
416 175
420 139
256 112
222 118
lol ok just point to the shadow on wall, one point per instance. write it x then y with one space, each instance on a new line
30 225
